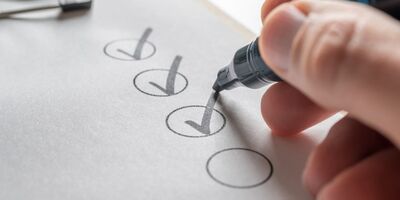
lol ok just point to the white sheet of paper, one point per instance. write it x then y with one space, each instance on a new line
77 121
246 12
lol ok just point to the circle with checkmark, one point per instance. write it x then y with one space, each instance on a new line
195 121
130 49
239 168
160 82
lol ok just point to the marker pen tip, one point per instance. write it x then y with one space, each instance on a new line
217 87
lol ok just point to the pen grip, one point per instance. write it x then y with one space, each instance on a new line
72 5
257 61
250 69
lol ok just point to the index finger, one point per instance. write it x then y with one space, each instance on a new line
287 111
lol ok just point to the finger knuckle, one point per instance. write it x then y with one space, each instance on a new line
332 48
325 51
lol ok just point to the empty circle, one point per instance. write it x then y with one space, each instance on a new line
125 49
176 121
239 168
144 82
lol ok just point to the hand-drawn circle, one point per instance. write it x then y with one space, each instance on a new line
111 49
186 134
152 93
232 155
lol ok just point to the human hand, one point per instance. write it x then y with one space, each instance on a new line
337 56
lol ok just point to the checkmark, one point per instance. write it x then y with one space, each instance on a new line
204 127
137 55
169 88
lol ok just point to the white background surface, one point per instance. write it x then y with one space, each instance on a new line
246 12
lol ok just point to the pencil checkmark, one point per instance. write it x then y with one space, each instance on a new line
204 126
169 88
137 55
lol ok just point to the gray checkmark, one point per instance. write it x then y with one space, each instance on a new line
204 127
137 55
173 71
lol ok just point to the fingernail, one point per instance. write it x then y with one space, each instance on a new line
279 33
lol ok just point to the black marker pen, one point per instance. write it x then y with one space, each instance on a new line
249 70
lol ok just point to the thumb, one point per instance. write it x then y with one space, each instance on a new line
342 55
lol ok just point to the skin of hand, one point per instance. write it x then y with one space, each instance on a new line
337 56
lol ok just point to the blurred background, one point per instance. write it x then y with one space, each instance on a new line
246 12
